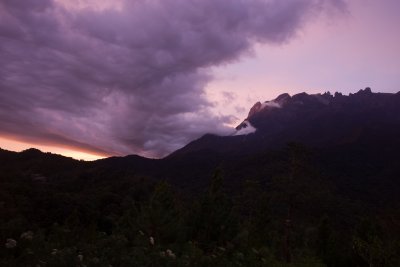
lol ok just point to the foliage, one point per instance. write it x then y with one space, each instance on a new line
77 216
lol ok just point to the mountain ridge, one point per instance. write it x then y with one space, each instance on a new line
316 120
268 118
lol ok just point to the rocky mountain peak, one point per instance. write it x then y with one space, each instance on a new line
278 102
254 109
282 98
286 109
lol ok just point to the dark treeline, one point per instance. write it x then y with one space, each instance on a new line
83 216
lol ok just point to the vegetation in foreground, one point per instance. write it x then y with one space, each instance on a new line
294 218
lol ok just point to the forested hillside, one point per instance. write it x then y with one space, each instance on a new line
291 207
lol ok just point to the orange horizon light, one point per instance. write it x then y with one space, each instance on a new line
18 146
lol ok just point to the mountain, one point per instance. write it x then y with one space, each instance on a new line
306 180
346 133
317 120
357 137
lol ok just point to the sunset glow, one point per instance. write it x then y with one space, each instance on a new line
18 146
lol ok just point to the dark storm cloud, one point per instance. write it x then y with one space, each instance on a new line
130 80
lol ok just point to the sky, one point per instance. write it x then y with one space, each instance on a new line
91 79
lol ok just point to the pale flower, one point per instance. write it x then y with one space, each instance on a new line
170 254
11 243
27 235
151 240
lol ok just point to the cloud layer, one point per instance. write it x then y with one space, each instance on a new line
128 78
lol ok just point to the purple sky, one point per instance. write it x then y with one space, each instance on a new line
147 76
